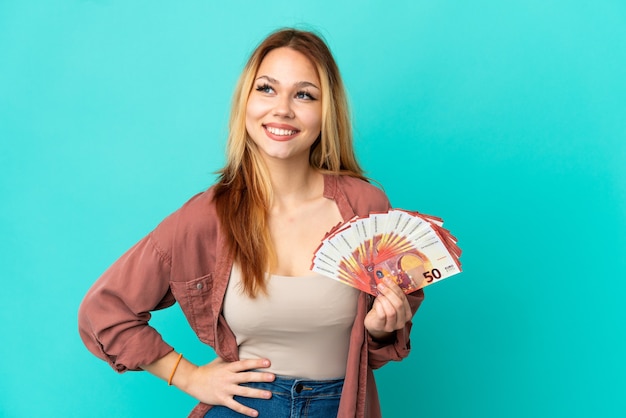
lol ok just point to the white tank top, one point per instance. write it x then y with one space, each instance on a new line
303 325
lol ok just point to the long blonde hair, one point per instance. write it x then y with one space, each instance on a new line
243 193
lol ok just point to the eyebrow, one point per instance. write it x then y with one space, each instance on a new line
297 84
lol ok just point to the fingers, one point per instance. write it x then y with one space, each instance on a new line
249 364
242 375
242 409
391 306
251 377
246 392
395 296
250 392
389 288
243 371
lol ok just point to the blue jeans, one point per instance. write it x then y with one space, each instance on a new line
291 398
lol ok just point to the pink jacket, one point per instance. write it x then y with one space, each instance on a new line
184 260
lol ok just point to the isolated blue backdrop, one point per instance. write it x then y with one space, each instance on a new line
505 118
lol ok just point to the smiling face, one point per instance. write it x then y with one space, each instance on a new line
284 109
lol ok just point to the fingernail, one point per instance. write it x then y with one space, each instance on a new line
387 280
381 286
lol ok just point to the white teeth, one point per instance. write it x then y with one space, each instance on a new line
280 132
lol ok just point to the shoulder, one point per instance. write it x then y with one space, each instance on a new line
202 203
363 197
355 184
197 216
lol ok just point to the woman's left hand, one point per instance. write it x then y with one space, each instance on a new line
390 311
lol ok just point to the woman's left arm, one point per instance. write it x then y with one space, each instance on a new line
388 323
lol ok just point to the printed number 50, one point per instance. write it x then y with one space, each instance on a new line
432 275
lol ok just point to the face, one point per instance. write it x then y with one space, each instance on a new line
284 109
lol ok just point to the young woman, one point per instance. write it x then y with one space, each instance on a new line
237 259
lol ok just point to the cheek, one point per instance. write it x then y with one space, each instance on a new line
313 119
254 110
252 115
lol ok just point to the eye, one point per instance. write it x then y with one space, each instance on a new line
265 88
304 95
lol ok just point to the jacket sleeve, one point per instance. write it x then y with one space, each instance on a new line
363 198
113 317
398 349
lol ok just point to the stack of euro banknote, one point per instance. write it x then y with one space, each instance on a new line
411 248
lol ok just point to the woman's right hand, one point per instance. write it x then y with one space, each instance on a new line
217 382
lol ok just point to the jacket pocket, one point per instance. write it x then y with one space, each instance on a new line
194 298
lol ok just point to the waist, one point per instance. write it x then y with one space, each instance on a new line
296 387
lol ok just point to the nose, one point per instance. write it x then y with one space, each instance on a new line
283 108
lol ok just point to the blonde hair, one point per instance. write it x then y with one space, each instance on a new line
243 193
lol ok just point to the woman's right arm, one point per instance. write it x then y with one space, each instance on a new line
113 323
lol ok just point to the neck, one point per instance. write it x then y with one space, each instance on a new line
294 182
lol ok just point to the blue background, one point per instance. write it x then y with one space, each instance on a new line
505 118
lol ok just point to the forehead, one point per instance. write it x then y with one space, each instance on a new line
288 65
